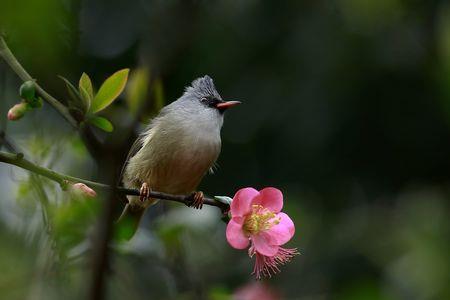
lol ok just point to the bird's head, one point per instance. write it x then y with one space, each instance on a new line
202 91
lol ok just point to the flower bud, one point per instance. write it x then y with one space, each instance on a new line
17 111
27 90
37 102
83 189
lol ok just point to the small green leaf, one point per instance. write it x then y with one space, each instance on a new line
37 102
73 92
102 123
86 97
27 90
110 90
86 83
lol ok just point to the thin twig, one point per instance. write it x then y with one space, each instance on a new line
19 161
11 60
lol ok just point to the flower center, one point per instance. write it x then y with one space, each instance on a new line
261 219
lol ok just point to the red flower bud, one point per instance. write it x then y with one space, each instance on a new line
83 189
17 111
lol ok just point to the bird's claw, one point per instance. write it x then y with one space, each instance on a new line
197 200
143 192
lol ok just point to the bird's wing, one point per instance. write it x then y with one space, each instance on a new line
139 142
137 145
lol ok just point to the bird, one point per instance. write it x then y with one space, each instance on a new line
176 149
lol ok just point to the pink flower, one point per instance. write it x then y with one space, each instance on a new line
83 189
256 220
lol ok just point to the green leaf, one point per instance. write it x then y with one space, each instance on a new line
110 90
86 97
27 90
73 92
86 83
221 293
124 229
137 89
37 102
86 90
102 123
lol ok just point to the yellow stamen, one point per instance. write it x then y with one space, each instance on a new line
261 219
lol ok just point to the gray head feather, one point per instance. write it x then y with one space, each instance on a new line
203 87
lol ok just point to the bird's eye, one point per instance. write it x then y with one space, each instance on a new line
209 101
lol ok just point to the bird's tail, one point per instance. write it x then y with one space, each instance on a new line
128 222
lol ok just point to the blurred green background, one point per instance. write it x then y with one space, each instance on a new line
346 110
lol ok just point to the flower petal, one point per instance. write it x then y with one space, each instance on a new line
270 198
282 232
235 235
242 202
263 244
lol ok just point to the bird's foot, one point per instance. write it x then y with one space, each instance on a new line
144 192
197 199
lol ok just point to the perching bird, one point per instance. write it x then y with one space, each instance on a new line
177 148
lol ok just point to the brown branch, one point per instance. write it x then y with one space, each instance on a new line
101 252
19 161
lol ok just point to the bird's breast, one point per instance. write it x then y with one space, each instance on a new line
184 166
175 159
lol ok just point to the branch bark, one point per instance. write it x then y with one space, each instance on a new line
62 179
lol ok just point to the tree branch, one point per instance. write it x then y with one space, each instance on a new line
11 60
19 161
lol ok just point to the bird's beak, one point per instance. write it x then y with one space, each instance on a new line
227 104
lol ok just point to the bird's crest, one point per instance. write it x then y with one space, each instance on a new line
203 87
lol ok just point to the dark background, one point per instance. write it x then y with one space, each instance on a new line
346 109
